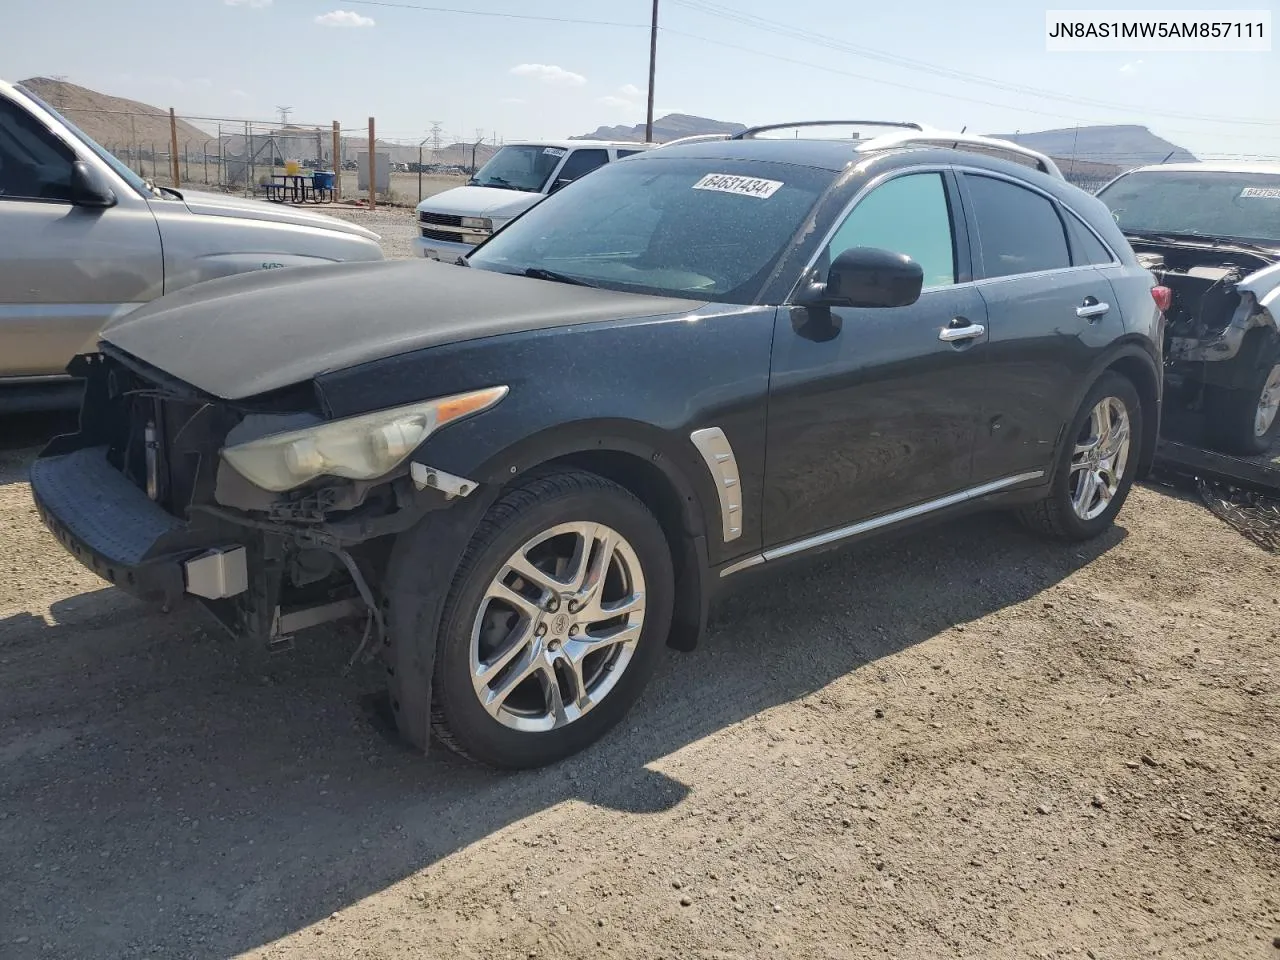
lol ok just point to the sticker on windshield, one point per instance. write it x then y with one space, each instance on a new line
743 186
1265 193
555 152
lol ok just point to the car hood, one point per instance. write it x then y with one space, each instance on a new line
480 202
221 205
245 335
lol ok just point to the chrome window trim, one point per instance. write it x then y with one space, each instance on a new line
958 168
877 523
717 454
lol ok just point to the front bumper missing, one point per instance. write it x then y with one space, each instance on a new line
110 526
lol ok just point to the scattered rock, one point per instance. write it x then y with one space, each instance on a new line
686 901
879 714
1098 801
676 884
1149 760
1042 810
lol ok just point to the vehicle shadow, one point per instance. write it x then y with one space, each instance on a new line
22 436
167 789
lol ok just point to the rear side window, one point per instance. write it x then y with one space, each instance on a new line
582 162
1019 230
628 153
34 164
907 214
1085 247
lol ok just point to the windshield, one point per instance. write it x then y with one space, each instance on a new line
1238 206
519 168
101 152
700 229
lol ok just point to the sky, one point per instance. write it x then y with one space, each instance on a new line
410 62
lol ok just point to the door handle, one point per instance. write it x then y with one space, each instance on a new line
961 329
1092 308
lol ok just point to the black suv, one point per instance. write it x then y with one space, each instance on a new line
529 473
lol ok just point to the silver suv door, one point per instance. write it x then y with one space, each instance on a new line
64 269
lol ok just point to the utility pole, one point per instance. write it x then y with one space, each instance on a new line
653 68
173 146
337 160
373 168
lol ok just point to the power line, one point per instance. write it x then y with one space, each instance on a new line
492 13
776 27
889 83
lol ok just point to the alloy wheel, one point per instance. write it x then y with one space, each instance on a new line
1268 403
1101 454
557 626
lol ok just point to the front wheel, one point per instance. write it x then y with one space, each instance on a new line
557 616
1244 420
1096 464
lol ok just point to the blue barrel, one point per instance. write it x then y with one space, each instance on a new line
322 180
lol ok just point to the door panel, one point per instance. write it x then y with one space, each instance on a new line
872 410
1037 280
879 417
64 272
1039 353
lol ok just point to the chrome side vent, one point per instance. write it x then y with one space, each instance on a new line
718 456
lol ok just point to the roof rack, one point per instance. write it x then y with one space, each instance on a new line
750 132
974 143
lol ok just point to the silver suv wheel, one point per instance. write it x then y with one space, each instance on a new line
557 627
1268 403
1101 453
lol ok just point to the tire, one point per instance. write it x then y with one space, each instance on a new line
1235 421
491 617
1057 515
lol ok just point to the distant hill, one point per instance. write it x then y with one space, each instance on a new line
671 127
1125 145
113 121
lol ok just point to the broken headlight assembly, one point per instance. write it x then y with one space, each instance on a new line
356 448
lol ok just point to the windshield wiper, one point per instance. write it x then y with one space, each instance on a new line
538 273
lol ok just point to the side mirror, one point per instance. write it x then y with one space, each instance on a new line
870 277
561 184
88 189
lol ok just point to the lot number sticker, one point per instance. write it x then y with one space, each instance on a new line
742 186
1265 193
555 152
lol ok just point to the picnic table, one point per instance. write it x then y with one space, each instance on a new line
297 188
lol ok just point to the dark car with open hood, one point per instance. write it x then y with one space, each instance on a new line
525 475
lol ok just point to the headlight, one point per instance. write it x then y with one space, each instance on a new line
478 223
358 448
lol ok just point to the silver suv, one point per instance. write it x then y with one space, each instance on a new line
84 240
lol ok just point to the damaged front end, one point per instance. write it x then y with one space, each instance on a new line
144 497
1220 293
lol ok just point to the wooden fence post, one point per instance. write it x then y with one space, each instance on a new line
373 169
173 146
337 161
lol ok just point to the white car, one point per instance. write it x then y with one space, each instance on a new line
518 176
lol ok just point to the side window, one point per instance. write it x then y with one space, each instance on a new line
908 215
1085 247
1019 230
628 153
582 162
34 165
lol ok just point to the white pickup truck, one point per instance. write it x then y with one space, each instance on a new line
84 240
519 175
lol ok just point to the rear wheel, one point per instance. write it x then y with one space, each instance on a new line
556 619
1096 466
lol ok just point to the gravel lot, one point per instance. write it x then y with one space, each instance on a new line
966 743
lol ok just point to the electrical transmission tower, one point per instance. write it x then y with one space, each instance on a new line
437 140
284 115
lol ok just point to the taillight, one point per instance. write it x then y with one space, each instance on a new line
1163 297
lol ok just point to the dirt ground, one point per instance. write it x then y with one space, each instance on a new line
964 743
